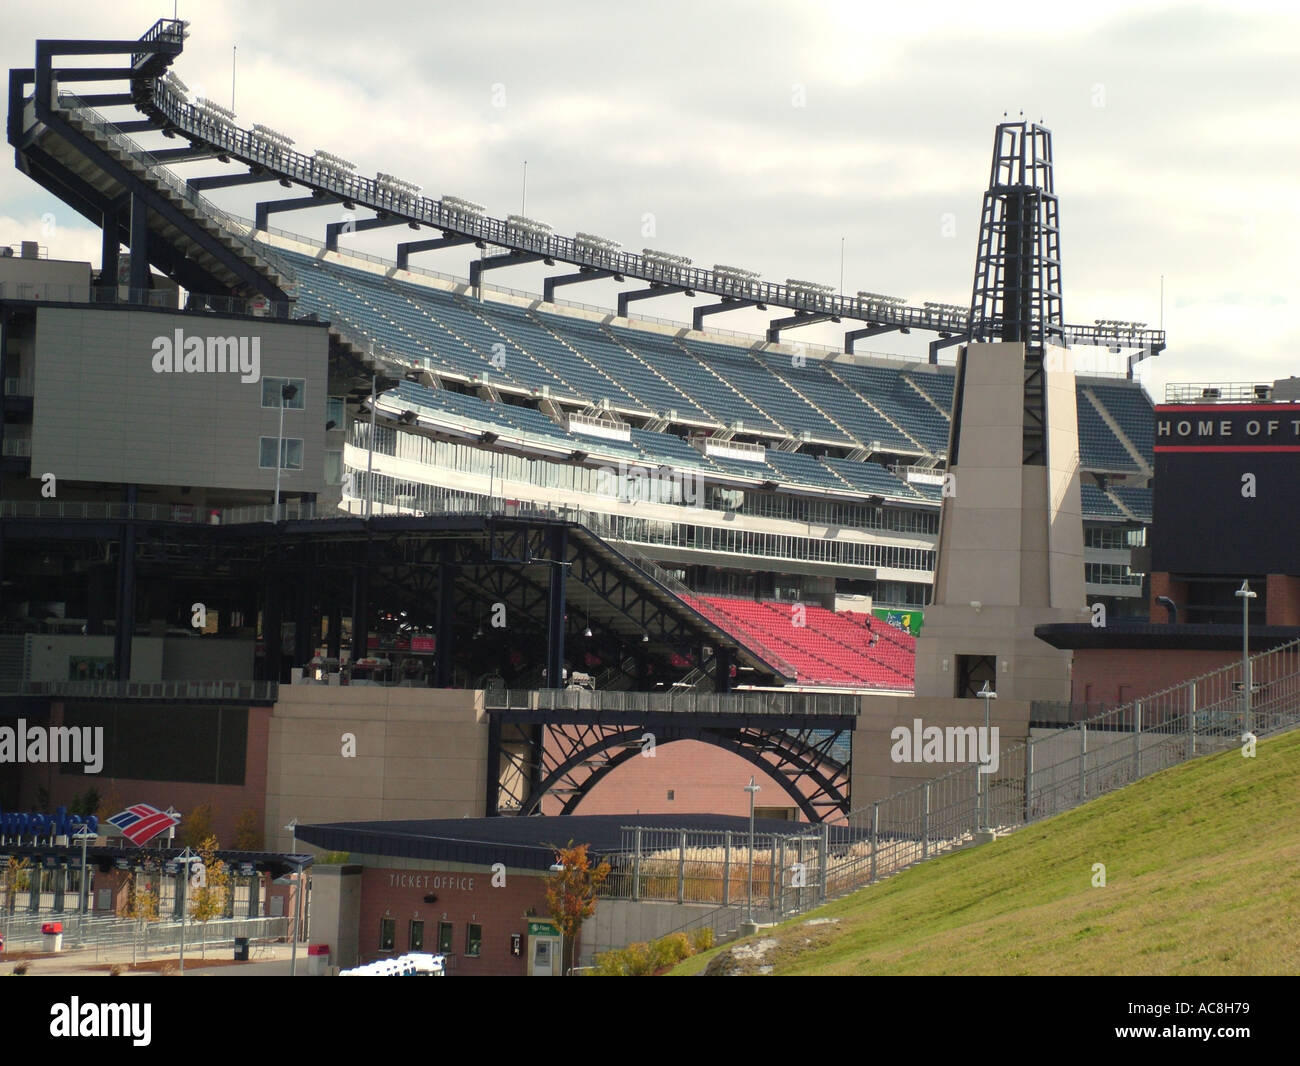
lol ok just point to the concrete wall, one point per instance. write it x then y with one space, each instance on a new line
1010 539
102 413
619 922
876 775
336 911
420 753
44 279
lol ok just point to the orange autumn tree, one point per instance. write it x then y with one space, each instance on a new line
571 895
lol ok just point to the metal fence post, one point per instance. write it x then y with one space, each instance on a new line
1029 778
771 868
1137 739
726 871
875 837
636 867
1191 716
681 866
1083 761
925 824
825 860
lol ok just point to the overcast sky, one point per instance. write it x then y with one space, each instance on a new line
761 134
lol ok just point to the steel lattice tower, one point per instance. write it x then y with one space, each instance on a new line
1017 291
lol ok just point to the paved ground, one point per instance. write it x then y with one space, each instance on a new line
219 962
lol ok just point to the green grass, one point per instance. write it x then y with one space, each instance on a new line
1202 877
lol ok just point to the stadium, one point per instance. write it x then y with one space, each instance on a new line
350 543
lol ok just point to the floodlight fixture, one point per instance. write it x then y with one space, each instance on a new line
175 84
330 161
731 273
880 298
531 226
813 288
654 257
594 243
273 136
396 185
464 207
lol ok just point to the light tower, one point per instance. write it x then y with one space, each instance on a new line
1010 549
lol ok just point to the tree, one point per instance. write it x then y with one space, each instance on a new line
211 898
571 895
142 903
17 878
248 831
195 827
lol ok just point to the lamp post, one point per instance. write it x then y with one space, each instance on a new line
1245 594
752 789
85 837
183 860
985 694
297 898
287 392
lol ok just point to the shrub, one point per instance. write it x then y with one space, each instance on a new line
670 950
703 939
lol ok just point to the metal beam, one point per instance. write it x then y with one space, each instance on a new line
138 125
95 74
139 242
726 304
799 318
625 298
408 248
550 284
229 181
333 230
185 155
855 335
477 267
107 99
266 208
944 342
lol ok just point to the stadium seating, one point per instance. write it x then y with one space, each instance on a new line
825 647
642 372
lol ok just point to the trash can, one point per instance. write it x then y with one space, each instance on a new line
52 933
318 959
241 949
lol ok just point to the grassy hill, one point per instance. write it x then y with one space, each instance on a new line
1202 867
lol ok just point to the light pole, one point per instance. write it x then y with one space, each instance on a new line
752 789
85 837
1245 594
183 860
287 392
985 694
297 898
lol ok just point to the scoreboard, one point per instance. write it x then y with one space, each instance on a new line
1227 489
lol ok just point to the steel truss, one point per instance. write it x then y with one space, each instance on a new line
532 759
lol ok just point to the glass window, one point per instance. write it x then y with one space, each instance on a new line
445 933
387 933
334 409
290 454
271 393
417 935
334 468
473 940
